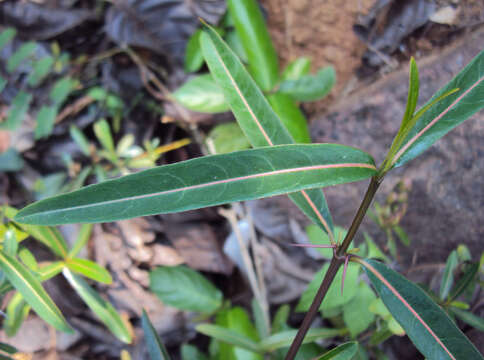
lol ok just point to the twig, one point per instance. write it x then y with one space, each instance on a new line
337 260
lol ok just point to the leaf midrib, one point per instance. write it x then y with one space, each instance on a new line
213 183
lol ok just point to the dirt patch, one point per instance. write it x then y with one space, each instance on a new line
321 30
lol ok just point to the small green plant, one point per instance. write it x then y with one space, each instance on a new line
42 70
246 34
20 271
277 166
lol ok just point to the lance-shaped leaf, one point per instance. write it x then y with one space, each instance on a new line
448 275
90 270
255 116
255 38
310 87
153 342
32 291
103 309
206 181
447 113
427 325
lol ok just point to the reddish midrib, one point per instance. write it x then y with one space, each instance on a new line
432 123
406 304
219 182
270 143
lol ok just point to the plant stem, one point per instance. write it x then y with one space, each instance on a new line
333 268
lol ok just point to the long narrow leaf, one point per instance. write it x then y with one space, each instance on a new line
448 113
33 292
448 276
427 325
252 30
153 342
102 308
255 116
90 270
206 181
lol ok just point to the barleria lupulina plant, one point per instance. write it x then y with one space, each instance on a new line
278 166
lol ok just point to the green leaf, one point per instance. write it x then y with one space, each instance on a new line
103 134
469 318
448 275
251 28
156 350
470 272
285 338
10 244
190 352
193 54
10 160
373 250
279 321
41 69
228 137
80 139
228 336
333 296
3 83
61 90
402 235
201 94
103 309
23 52
256 117
356 314
297 68
184 288
447 113
49 236
310 87
32 291
344 351
261 320
237 320
427 325
413 89
90 270
17 312
18 110
47 272
81 240
6 36
206 181
28 259
291 116
45 121
233 41
7 348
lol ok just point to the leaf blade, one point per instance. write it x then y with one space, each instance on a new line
342 352
102 308
183 186
184 288
90 270
155 347
427 325
33 292
255 116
